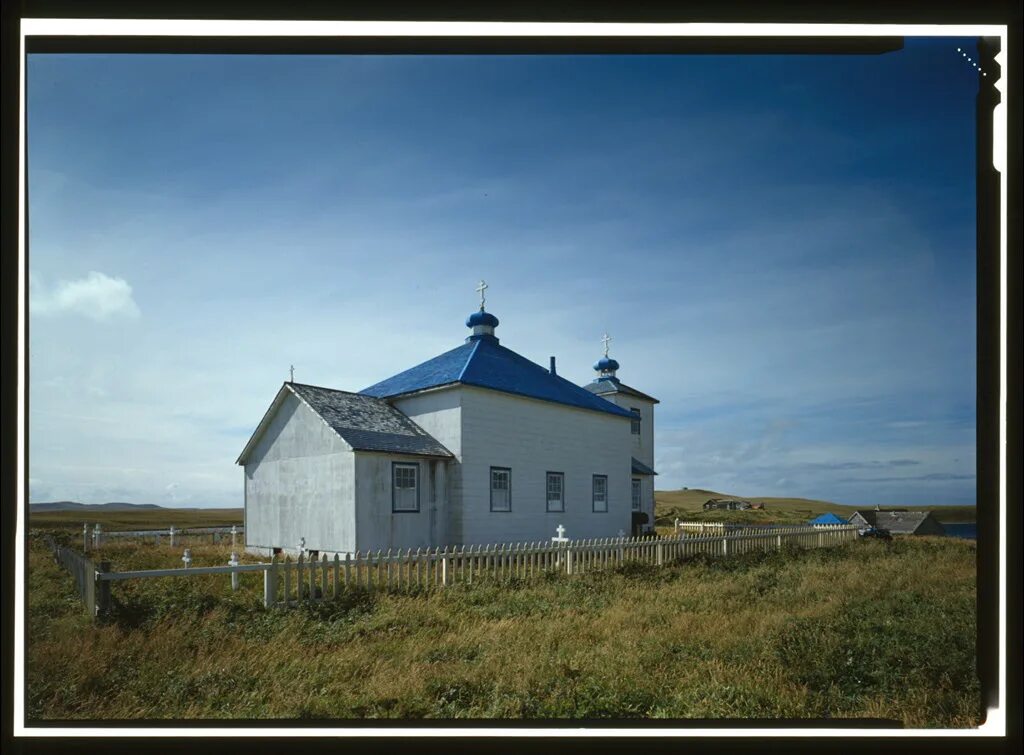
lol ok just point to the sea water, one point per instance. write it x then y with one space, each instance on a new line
967 530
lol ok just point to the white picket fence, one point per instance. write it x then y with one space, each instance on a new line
175 536
288 582
699 528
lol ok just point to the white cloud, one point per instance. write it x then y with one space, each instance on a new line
97 296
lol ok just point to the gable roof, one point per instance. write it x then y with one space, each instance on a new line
482 362
614 385
900 522
640 468
365 423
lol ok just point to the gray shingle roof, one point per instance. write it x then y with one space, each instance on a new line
640 468
610 385
899 522
369 424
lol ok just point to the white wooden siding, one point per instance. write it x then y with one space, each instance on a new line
439 412
533 437
299 483
377 525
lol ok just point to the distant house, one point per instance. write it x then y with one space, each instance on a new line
828 518
899 522
726 504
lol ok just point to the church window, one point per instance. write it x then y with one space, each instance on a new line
501 489
556 491
636 494
634 423
600 492
405 489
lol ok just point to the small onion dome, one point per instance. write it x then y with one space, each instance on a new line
606 364
481 318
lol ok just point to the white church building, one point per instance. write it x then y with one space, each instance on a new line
477 445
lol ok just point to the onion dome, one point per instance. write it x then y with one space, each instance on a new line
483 323
481 318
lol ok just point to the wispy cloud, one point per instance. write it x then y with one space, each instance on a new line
934 477
96 296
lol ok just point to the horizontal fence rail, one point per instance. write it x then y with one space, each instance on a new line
288 582
172 536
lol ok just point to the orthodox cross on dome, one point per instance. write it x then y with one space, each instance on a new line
481 287
606 339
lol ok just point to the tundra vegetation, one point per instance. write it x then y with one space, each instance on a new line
869 629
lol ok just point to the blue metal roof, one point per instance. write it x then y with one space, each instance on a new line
484 363
828 518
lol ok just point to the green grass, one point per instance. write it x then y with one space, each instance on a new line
687 504
867 629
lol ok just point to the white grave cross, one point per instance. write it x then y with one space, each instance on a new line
233 561
561 538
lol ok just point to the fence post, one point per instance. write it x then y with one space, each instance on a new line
102 589
336 576
97 535
661 554
85 537
233 561
270 583
444 569
725 545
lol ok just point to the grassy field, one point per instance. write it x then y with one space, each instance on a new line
869 629
669 504
687 504
135 520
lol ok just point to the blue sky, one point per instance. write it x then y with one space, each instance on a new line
782 248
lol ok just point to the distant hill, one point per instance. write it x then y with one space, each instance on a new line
75 506
688 504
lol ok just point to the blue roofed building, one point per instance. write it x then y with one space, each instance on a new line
476 445
827 519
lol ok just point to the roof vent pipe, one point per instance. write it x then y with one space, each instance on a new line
553 366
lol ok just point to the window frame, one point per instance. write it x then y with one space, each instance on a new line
637 494
490 483
593 493
547 499
395 466
635 420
